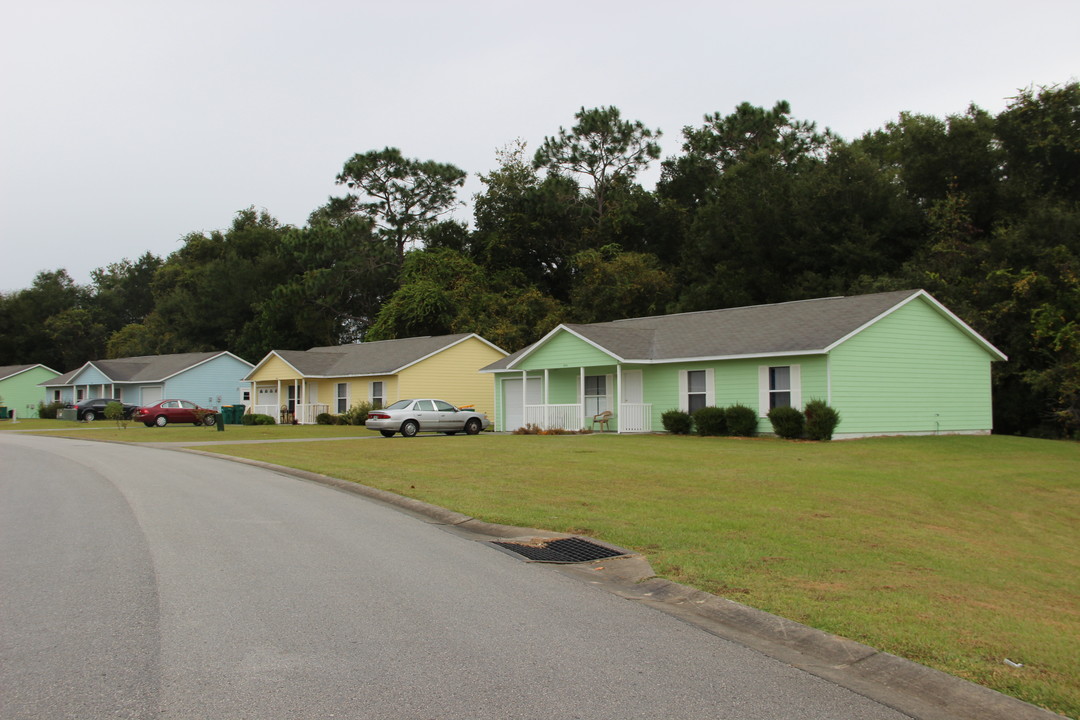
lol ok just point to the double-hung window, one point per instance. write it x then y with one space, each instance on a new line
779 386
696 390
595 394
376 395
342 397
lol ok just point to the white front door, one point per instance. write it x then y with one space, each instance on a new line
633 390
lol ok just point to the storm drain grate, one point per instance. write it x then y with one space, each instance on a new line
561 550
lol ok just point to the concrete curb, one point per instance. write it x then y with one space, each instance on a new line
908 687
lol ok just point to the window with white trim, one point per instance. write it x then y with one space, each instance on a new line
595 394
697 389
696 393
342 397
779 386
376 396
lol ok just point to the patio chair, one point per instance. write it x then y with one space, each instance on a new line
603 418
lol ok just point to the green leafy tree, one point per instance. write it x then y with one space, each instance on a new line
610 284
403 197
601 147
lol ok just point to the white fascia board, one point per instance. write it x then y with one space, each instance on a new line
547 337
937 306
269 355
430 354
195 365
718 358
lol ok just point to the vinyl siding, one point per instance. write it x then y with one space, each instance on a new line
359 390
21 394
912 371
453 375
275 369
564 350
212 384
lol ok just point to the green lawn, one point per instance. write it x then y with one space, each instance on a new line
955 552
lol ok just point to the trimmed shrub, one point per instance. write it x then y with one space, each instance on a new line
49 411
787 422
741 420
821 420
676 422
710 421
258 419
325 419
357 414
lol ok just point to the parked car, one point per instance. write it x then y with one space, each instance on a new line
90 410
409 417
175 411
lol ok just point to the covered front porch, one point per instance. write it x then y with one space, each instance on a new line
576 399
288 401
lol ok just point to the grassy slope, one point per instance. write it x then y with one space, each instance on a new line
956 552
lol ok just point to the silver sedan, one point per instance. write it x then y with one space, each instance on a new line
426 415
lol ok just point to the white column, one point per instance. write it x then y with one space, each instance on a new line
618 398
581 394
524 398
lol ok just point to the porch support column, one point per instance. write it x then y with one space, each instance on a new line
524 398
581 395
278 400
618 398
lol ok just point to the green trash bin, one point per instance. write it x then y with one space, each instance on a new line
238 414
227 414
3 413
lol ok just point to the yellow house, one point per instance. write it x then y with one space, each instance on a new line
304 383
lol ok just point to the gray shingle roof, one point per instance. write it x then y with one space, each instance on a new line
805 326
147 368
381 357
7 371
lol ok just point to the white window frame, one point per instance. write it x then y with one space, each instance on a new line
596 404
765 391
684 388
338 397
377 399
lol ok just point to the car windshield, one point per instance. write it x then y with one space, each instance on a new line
400 405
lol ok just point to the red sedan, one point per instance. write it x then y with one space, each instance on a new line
175 411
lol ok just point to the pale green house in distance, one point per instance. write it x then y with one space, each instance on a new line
20 392
890 363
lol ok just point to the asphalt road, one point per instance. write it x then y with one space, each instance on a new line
145 583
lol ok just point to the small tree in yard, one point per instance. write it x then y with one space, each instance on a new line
115 411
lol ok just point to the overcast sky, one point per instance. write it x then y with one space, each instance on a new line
125 125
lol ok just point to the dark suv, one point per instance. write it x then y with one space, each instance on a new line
90 410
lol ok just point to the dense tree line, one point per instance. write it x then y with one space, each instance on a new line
982 211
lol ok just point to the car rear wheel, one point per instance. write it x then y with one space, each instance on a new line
472 427
161 421
409 428
209 420
387 433
89 416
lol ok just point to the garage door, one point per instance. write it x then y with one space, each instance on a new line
150 395
513 410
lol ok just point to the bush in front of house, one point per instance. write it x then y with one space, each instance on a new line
821 420
710 421
325 419
48 411
787 422
357 414
676 422
258 419
115 411
742 421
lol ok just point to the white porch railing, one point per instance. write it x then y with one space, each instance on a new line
635 417
305 412
547 417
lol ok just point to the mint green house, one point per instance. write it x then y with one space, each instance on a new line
890 363
20 391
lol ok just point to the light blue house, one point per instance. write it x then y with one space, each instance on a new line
211 379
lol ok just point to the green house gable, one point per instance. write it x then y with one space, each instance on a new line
565 350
